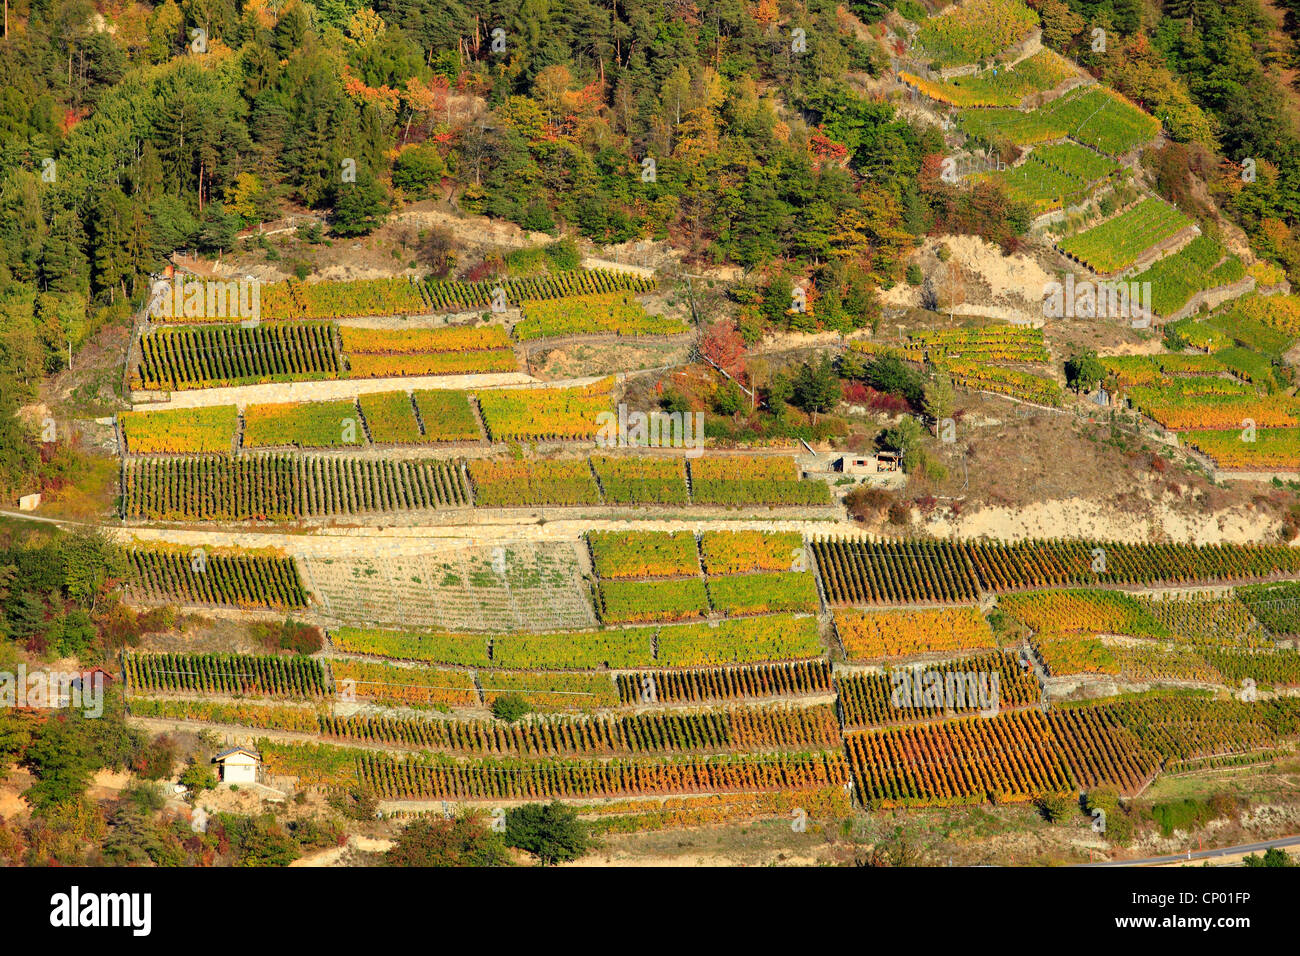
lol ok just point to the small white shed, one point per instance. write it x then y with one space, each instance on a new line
238 765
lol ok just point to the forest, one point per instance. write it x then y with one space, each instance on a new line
736 130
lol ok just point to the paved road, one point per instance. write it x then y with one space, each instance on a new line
1205 854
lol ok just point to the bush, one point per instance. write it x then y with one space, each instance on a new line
551 832
418 168
564 254
1056 808
464 841
291 636
1273 856
198 777
865 503
157 759
914 275
509 707
1118 824
888 373
356 803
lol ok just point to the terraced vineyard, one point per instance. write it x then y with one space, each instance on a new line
751 729
734 482
616 313
986 683
1112 246
209 356
488 779
1095 116
222 579
285 487
756 681
364 297
506 484
757 690
444 296
1215 405
1024 754
984 343
1272 448
185 430
1055 176
1202 264
875 635
999 85
458 349
243 674
1026 386
304 424
976 30
636 480
539 414
868 572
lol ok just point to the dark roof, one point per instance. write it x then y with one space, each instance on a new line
237 750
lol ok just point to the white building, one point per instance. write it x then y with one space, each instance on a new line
238 765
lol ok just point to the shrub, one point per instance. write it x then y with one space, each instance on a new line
509 707
464 841
356 803
198 777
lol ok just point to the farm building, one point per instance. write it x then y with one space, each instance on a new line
238 765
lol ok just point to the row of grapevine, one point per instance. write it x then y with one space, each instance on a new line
209 356
546 778
442 295
800 679
284 487
256 674
664 732
986 683
224 580
859 571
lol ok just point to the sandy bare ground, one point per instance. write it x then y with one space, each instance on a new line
350 388
1015 281
1101 520
339 856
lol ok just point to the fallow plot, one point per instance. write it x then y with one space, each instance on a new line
519 586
